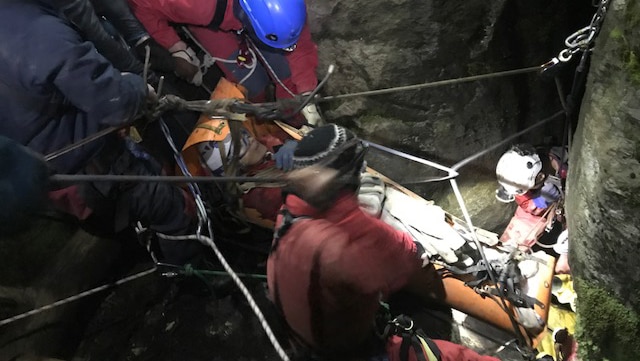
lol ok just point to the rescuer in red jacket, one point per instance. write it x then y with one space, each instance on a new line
254 42
331 264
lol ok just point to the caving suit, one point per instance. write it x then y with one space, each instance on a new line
214 24
532 215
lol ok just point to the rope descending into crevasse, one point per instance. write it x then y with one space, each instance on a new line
520 335
236 279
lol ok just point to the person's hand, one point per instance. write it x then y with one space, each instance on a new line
550 191
284 155
188 66
160 59
312 115
371 194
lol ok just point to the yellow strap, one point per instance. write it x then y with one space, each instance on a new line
427 350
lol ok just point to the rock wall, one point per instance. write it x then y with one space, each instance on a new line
381 44
604 192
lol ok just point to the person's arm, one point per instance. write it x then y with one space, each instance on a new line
384 259
303 62
119 14
159 14
24 179
83 76
81 13
156 23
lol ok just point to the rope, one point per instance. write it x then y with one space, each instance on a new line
267 66
208 105
516 328
72 178
432 84
210 59
413 158
76 297
475 156
84 141
203 218
188 270
236 279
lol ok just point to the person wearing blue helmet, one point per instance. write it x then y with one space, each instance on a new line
275 26
255 42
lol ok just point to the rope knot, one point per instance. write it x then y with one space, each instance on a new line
189 270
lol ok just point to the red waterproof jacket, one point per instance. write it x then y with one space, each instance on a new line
328 274
158 15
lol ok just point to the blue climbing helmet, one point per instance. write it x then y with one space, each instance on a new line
277 23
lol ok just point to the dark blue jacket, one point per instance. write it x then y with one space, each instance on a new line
23 185
55 88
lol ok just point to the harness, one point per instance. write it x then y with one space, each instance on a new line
412 338
288 220
218 15
508 280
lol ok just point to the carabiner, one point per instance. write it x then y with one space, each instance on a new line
396 323
566 54
550 64
575 40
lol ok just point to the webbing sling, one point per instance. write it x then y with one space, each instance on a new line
218 16
302 350
288 219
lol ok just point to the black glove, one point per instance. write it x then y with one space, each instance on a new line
159 58
82 14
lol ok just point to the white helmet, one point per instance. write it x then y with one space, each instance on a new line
517 172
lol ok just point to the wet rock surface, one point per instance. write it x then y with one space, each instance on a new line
181 320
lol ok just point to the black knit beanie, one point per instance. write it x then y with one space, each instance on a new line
320 145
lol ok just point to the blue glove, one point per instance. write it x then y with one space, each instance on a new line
284 155
540 202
